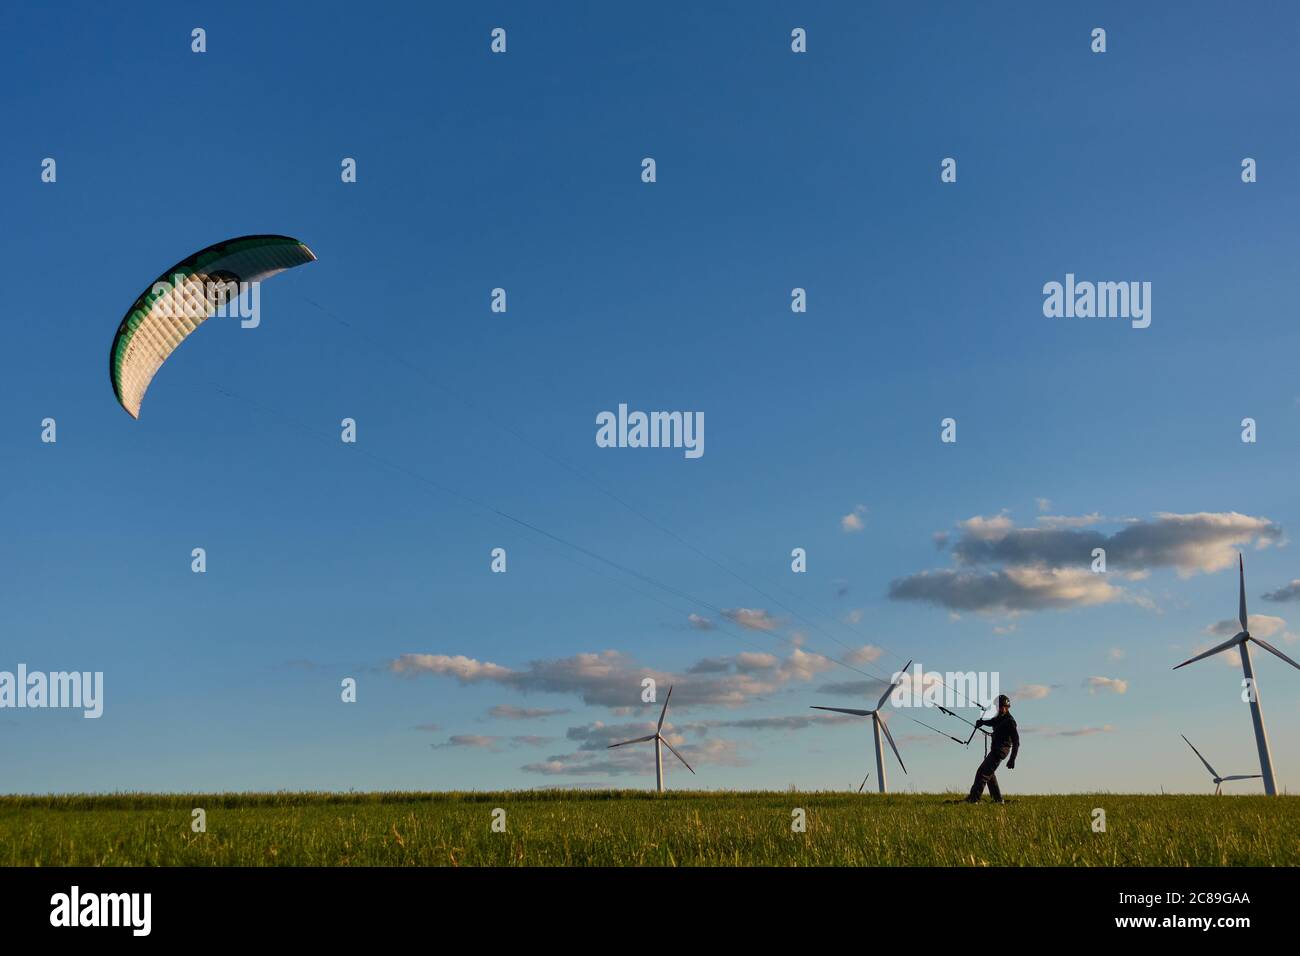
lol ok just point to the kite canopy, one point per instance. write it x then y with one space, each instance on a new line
180 300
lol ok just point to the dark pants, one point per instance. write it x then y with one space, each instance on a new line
987 774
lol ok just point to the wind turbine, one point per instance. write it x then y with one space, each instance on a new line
658 738
1218 781
877 725
1242 643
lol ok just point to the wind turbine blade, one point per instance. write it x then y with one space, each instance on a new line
1244 776
624 743
864 782
1213 772
1218 788
1241 567
1269 647
1231 642
664 713
890 737
678 756
845 710
883 697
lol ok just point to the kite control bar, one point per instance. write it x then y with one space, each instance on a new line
975 729
957 740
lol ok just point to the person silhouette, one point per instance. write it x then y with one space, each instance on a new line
1006 740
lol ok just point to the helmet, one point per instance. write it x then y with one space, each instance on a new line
1003 699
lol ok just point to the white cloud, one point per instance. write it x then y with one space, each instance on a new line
1288 592
1112 684
464 669
866 654
1007 589
1069 521
855 520
507 712
753 619
984 528
612 679
1001 567
1261 625
1201 542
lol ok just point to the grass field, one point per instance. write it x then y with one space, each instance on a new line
634 828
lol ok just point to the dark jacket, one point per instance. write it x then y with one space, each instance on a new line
1004 735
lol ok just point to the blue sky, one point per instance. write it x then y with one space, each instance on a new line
522 171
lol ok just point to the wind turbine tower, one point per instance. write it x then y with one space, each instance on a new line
877 726
660 743
1241 642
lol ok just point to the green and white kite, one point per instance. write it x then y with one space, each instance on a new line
185 296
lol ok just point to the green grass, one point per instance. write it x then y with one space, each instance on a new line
634 828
